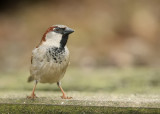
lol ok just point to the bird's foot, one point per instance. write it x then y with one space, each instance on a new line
33 96
66 97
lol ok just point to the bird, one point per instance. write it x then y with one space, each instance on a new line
50 58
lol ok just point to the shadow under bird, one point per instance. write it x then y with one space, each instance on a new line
50 58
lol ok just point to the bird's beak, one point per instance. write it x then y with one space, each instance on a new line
68 30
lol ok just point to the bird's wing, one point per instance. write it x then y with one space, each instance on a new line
36 62
31 59
31 78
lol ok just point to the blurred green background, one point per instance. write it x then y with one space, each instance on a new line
115 46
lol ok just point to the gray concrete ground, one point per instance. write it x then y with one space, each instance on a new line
87 102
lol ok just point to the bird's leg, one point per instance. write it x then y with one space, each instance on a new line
64 95
33 95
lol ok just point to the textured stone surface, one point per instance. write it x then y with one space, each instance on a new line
82 102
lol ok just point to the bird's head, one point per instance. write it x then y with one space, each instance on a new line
62 29
57 35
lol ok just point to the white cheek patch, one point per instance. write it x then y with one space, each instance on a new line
53 35
53 39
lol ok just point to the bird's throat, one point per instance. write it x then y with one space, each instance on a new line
64 40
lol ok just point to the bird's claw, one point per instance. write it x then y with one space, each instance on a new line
66 97
33 96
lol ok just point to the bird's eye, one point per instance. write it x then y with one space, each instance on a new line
63 28
57 29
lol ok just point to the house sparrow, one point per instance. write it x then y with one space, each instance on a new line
50 58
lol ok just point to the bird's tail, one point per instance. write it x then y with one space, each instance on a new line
30 78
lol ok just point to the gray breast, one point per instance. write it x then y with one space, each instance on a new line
55 54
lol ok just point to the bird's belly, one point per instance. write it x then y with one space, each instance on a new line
50 64
52 72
